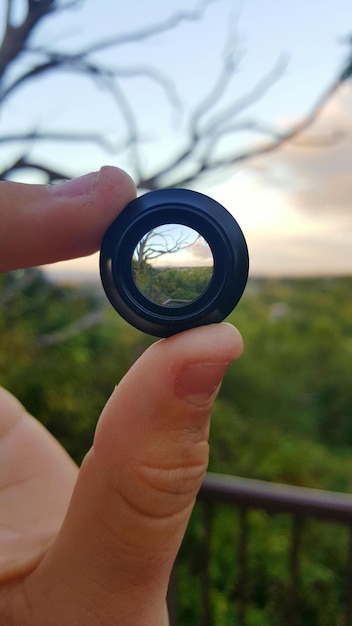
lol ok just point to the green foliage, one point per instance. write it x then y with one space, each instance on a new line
64 385
322 569
284 414
167 284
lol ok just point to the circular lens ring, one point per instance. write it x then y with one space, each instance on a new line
204 215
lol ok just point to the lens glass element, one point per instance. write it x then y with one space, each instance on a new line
172 265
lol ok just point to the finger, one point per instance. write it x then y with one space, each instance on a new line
45 223
137 487
36 483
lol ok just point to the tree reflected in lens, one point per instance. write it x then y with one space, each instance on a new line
172 265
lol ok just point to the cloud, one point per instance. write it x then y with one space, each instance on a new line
196 255
317 178
324 254
200 253
295 206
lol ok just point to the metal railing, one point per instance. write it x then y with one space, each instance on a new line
299 503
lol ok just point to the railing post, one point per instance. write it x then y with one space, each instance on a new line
348 590
243 567
300 503
294 570
205 574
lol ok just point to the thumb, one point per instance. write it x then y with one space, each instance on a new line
112 560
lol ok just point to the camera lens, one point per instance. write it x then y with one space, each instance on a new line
172 260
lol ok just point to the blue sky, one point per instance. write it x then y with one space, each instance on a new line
293 206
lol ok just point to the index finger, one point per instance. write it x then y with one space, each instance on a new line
42 224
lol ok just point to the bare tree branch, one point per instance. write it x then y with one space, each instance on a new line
34 72
147 32
205 138
158 242
78 63
208 124
64 136
284 137
15 38
8 14
244 102
231 61
23 163
206 163
260 128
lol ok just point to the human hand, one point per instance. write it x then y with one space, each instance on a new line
97 546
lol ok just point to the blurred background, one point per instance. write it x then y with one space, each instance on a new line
249 102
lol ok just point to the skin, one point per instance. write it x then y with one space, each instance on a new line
96 546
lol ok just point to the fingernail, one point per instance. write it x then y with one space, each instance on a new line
199 382
84 186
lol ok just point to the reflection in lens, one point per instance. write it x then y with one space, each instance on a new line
172 265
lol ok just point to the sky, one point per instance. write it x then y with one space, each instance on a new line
293 206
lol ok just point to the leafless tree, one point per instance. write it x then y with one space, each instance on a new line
23 61
160 241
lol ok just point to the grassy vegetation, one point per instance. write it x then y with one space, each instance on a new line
163 285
